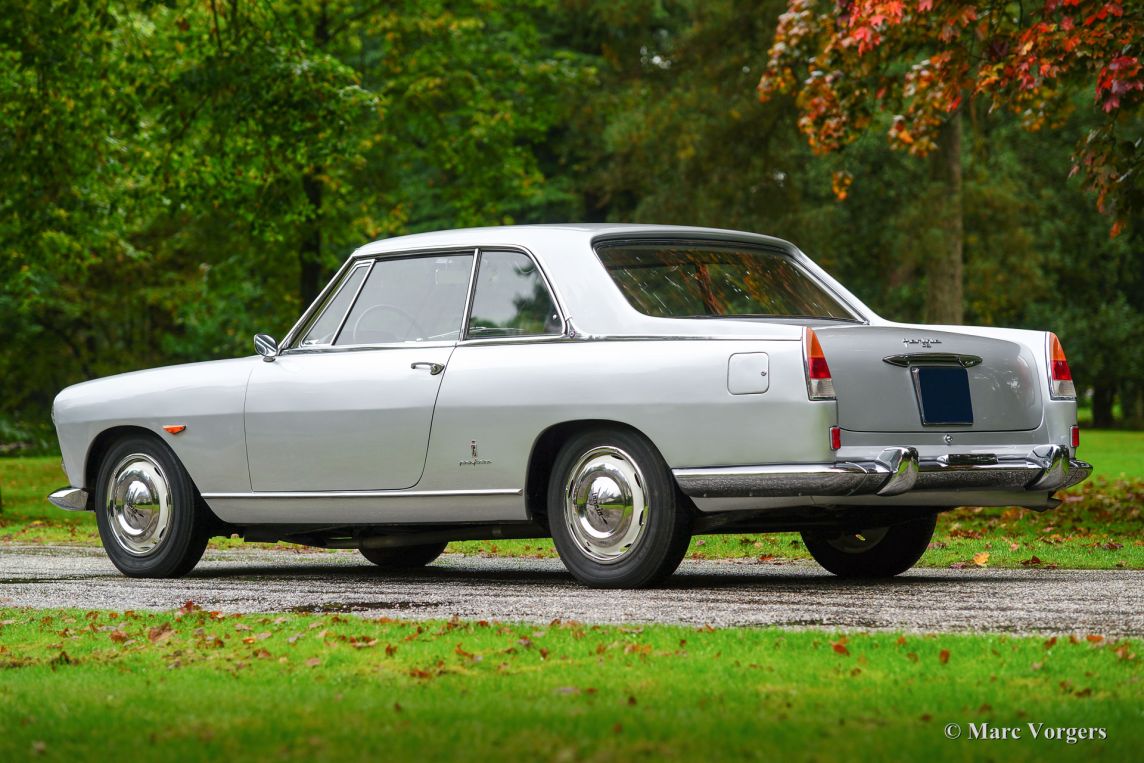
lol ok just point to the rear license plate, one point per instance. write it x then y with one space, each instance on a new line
943 395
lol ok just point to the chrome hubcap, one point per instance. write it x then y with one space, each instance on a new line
859 542
138 504
605 504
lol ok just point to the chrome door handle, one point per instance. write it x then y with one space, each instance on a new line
434 368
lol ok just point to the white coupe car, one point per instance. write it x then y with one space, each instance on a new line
618 388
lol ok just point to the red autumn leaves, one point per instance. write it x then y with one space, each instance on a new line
848 60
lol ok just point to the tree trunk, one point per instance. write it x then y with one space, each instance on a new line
310 248
945 291
1102 397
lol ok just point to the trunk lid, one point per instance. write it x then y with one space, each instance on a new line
875 371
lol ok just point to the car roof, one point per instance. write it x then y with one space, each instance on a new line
537 235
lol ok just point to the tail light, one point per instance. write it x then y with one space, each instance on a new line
819 385
835 438
1074 435
1061 385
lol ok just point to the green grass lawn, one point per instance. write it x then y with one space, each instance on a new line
78 685
1100 525
1114 453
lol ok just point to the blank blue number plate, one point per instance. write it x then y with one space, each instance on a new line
943 395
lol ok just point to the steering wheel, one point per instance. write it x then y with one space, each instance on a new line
357 327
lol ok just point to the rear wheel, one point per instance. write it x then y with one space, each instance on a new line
146 510
878 552
403 557
616 518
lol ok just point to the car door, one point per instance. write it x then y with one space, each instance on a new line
349 407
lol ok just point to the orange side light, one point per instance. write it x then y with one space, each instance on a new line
174 428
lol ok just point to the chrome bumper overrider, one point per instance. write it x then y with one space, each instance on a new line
893 472
70 498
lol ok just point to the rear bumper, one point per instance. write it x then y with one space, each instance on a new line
894 471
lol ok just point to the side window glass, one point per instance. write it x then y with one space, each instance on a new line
415 299
323 329
511 299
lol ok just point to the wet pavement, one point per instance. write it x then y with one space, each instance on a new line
727 593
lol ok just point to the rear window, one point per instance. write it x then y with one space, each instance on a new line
689 280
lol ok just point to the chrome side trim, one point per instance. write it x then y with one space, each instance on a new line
70 499
366 494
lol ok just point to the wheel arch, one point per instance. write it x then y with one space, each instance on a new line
543 454
104 441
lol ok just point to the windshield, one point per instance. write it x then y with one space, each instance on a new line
699 280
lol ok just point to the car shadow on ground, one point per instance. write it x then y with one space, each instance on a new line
764 578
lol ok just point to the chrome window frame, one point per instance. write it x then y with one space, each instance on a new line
468 340
368 260
606 242
325 300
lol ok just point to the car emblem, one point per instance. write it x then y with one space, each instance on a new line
948 439
475 459
924 342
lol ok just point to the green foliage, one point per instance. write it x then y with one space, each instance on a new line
180 176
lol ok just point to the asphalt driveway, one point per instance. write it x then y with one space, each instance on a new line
715 593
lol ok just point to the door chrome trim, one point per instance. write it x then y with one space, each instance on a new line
368 493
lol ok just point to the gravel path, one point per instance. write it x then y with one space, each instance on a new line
716 593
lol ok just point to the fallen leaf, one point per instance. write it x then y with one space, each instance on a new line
1051 643
1093 638
1030 562
981 559
840 648
160 634
313 662
188 607
943 657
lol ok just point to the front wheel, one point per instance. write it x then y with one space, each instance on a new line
616 518
880 552
146 510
